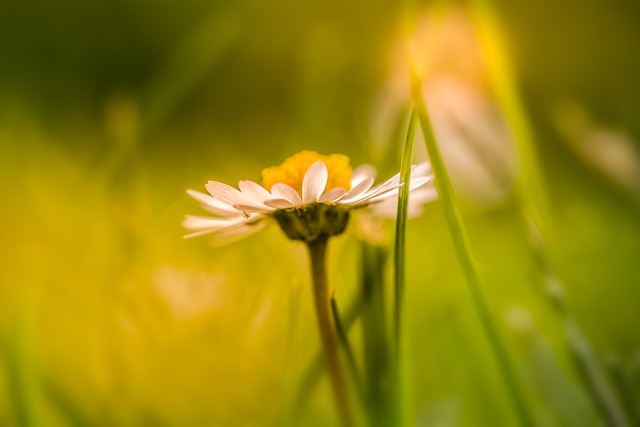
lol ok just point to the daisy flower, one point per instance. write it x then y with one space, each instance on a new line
309 196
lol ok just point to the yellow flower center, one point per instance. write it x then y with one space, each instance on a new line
292 171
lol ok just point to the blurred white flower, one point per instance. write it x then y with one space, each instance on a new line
475 141
473 136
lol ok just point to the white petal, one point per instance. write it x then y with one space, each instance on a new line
423 195
252 208
221 231
396 178
380 195
283 191
254 191
359 189
384 203
419 181
314 182
212 204
199 222
388 207
422 169
383 188
236 233
198 233
362 172
393 192
333 195
279 203
225 193
205 225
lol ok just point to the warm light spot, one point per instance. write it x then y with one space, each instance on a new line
292 171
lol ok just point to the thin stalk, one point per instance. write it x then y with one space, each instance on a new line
625 386
346 347
467 262
317 256
401 225
400 372
605 398
376 344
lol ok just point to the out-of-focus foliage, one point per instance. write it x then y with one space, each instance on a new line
110 110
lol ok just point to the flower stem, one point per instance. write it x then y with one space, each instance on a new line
317 256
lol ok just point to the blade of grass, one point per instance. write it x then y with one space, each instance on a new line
346 347
402 410
625 386
375 338
401 226
586 362
467 261
598 384
533 202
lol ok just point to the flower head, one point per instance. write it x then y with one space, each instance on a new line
309 195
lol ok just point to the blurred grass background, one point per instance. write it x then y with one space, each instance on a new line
109 110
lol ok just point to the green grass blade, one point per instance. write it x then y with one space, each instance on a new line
625 386
376 343
401 368
596 379
401 225
346 347
586 362
467 261
534 204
